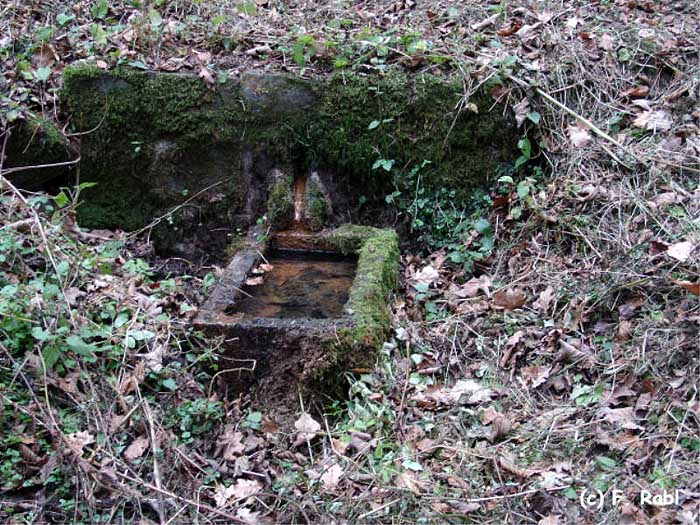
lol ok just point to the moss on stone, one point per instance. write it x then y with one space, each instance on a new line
348 238
418 122
313 122
280 204
368 304
36 141
237 243
317 209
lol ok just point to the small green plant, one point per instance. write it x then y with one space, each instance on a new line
195 418
438 218
525 191
303 50
253 420
70 197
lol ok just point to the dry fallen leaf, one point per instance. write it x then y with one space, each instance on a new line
680 251
476 392
485 23
693 288
202 58
153 360
573 21
621 441
465 507
509 299
534 375
408 480
507 463
508 30
501 427
249 517
471 288
663 199
606 42
69 384
653 120
636 92
622 417
308 427
544 301
472 308
79 440
230 444
501 424
242 489
331 477
136 448
579 136
254 281
427 276
521 110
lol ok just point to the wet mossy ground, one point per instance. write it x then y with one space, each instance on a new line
161 138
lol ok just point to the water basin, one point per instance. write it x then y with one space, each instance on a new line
299 285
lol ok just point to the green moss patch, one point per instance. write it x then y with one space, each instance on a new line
376 277
280 204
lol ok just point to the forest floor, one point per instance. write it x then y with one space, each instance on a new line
563 364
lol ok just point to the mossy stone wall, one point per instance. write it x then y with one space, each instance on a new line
157 139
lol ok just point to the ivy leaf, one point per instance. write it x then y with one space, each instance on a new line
383 163
138 64
61 200
50 355
142 335
43 73
247 8
624 55
155 17
100 9
341 62
40 334
482 226
525 147
523 189
63 19
98 34
412 465
79 346
534 116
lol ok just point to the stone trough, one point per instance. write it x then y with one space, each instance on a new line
303 333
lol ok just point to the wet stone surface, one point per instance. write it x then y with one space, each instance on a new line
300 285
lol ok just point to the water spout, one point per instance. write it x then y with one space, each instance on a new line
299 200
